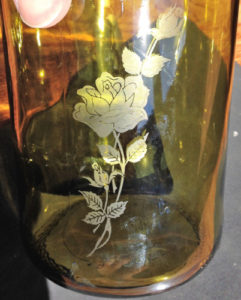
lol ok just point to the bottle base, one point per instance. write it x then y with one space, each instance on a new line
146 254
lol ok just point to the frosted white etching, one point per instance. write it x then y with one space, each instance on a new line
114 106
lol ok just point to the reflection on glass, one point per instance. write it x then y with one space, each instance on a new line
121 113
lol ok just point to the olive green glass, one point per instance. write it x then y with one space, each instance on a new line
120 113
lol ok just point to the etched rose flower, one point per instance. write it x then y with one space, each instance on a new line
101 178
168 24
117 104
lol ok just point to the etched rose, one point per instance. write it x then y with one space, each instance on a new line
168 24
117 104
101 178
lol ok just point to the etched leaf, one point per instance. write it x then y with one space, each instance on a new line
93 201
91 181
116 209
94 218
131 62
152 65
136 149
109 154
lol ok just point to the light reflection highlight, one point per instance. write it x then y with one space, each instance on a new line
101 19
206 12
38 37
42 73
18 34
144 21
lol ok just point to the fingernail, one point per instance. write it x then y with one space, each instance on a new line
42 13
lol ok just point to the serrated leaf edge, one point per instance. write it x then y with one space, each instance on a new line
135 140
105 157
101 215
128 55
88 201
116 203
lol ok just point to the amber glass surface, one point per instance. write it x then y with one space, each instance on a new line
120 113
4 105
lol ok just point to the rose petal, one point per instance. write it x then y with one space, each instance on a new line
110 90
111 116
103 130
108 93
119 100
101 177
130 90
137 80
80 114
92 98
91 91
100 81
135 85
128 120
87 98
117 87
97 178
100 105
140 99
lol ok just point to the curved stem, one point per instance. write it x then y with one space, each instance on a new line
123 160
151 47
96 228
107 230
113 167
106 197
120 188
99 244
122 165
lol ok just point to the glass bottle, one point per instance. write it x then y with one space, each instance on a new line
120 113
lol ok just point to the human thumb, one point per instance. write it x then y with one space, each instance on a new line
42 13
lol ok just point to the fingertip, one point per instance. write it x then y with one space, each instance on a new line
16 3
42 13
